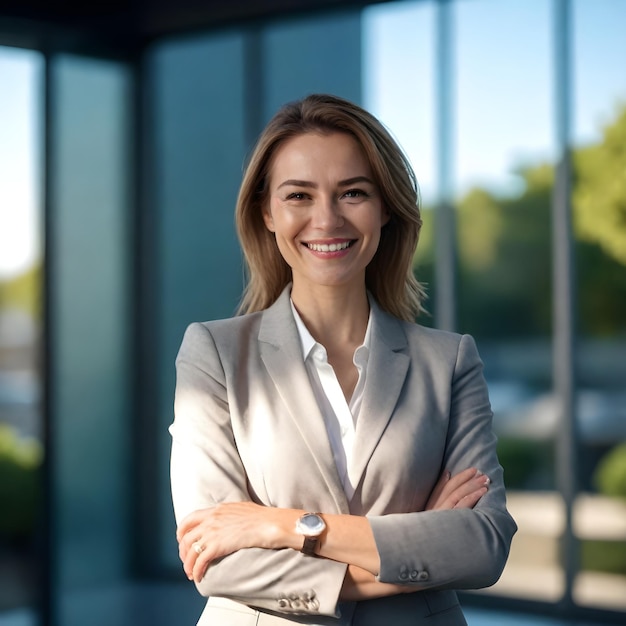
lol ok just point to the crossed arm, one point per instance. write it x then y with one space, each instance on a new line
226 528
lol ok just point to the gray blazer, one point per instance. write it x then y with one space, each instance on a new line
247 427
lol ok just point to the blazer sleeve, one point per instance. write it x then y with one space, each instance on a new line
458 548
206 469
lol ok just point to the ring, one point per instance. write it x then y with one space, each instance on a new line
198 547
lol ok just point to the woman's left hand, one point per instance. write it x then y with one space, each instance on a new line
209 534
461 491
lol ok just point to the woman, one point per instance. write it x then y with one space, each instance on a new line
333 462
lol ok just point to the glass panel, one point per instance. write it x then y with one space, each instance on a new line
504 168
398 86
90 338
198 134
334 67
600 227
21 427
398 77
504 163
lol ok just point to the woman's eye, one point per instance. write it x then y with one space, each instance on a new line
355 193
296 195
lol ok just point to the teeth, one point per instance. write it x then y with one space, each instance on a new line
333 247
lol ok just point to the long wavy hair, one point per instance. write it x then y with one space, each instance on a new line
389 276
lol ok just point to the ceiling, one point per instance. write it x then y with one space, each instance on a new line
119 27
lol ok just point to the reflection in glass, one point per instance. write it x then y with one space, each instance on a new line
600 228
398 79
505 180
21 446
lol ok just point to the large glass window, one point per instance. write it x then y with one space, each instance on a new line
504 156
89 334
21 427
398 80
599 204
117 310
502 151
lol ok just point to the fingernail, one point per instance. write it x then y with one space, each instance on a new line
487 480
478 473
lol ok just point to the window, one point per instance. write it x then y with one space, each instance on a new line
21 424
499 149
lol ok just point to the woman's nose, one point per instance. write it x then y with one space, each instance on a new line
327 214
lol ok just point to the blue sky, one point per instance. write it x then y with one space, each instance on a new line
504 114
503 93
19 165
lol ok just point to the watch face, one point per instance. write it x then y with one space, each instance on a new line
311 525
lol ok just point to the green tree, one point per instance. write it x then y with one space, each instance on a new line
23 291
505 247
504 259
600 191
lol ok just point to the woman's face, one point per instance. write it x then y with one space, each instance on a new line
324 209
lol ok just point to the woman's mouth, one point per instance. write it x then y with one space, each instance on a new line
330 247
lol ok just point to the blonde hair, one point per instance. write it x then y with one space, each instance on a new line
389 276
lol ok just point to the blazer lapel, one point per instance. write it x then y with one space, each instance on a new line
387 368
281 352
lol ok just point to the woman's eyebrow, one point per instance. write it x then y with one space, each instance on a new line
292 182
356 179
297 183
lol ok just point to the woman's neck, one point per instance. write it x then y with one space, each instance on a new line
335 316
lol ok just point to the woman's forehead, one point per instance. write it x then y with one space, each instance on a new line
337 155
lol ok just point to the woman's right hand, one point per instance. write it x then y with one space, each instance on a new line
461 491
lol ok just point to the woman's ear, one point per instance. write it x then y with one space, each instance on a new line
386 216
268 219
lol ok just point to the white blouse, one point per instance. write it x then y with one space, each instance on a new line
340 416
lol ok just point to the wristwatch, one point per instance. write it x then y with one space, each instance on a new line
310 526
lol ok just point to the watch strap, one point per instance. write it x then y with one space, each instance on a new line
309 545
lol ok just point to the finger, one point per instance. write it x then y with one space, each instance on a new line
466 485
477 484
183 550
456 482
470 500
201 565
461 478
196 560
188 523
187 544
189 562
466 480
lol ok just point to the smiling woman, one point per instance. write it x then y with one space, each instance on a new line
326 229
376 475
368 152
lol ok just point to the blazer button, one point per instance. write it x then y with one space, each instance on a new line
404 575
283 603
423 575
414 574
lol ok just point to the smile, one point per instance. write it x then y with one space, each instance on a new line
329 247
